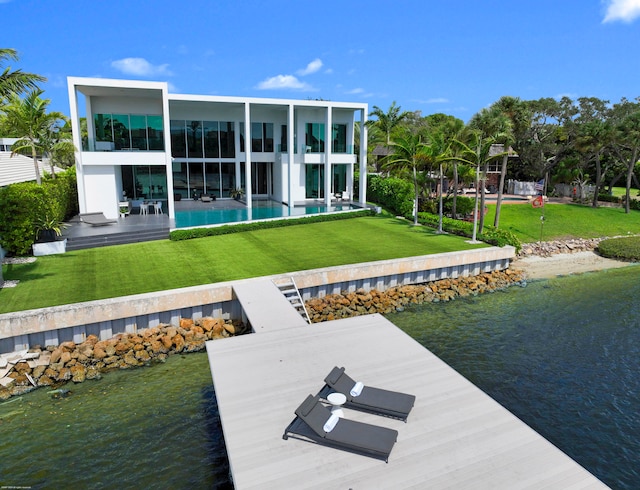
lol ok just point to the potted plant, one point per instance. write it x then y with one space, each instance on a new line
237 194
124 210
47 229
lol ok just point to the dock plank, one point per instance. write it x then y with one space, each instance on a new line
455 437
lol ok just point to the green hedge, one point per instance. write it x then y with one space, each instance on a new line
491 235
263 225
391 193
627 248
464 205
24 204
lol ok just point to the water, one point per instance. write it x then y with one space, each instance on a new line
200 217
154 427
562 355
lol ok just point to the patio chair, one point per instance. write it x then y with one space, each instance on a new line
315 422
366 398
96 219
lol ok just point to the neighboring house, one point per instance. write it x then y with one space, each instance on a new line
146 143
17 168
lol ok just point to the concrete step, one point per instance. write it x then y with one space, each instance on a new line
80 243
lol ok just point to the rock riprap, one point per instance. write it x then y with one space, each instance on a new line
21 372
361 302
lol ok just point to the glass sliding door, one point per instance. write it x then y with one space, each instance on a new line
315 137
155 132
211 141
339 135
314 180
228 178
339 180
196 178
261 181
212 179
138 132
181 179
194 139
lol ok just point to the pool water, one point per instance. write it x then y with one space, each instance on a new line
201 217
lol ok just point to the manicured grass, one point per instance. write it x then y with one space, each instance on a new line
565 221
627 248
153 266
622 191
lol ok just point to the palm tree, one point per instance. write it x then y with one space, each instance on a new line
476 153
32 124
16 81
409 153
388 121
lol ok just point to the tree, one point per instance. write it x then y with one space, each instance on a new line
388 121
493 125
15 82
409 154
32 124
626 139
476 152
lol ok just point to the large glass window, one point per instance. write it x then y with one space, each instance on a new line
178 139
121 135
256 137
211 142
128 131
339 137
155 132
194 139
283 138
227 140
144 182
138 132
315 137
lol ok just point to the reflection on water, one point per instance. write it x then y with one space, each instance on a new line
145 428
563 355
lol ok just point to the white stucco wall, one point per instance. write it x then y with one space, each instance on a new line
101 190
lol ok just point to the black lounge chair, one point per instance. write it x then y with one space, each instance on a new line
372 400
96 219
348 435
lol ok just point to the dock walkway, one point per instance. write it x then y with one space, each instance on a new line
455 437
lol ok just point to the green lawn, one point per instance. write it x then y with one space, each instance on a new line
565 221
622 191
154 266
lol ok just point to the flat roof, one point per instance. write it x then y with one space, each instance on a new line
455 437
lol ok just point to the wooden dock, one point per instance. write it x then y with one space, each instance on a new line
455 437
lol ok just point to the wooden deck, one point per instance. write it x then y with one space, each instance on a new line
455 437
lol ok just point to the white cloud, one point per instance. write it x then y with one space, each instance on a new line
624 10
283 82
356 91
435 100
140 67
312 67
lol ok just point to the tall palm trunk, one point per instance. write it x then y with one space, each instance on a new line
455 189
634 159
35 164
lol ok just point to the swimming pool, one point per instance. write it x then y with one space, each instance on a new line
202 217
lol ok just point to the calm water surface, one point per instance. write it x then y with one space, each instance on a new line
152 427
563 355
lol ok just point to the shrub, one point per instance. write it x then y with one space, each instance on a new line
25 205
608 198
391 193
627 248
491 235
263 225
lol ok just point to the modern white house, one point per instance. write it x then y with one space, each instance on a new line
145 143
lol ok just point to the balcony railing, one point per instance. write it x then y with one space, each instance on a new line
344 149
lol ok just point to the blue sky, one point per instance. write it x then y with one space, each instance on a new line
453 56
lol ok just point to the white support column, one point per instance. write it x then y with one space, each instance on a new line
77 140
166 120
328 143
247 153
290 153
363 158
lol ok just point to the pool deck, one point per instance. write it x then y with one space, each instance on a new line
455 437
